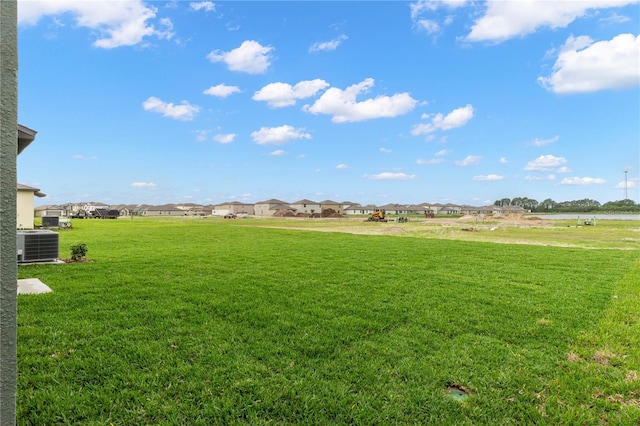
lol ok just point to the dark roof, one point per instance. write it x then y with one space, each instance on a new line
25 137
36 191
165 207
272 201
305 201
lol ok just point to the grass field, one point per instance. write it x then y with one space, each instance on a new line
271 322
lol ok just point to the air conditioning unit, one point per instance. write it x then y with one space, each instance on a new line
37 246
50 221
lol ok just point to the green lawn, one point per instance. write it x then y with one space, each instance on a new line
232 322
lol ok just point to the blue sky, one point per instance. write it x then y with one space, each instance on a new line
373 102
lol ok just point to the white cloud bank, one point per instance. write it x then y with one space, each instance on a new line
504 20
224 138
222 90
545 163
456 118
207 6
487 177
278 135
428 7
251 57
584 66
148 185
328 45
342 104
544 142
468 161
183 112
278 95
390 176
583 181
117 23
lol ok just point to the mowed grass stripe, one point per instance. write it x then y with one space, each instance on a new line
198 322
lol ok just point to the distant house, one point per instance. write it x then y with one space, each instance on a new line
50 211
164 210
202 210
24 205
306 206
450 209
403 209
358 209
513 210
233 207
331 205
191 209
269 207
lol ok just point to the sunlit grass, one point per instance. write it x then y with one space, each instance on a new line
199 321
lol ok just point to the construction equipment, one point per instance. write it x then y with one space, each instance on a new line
377 216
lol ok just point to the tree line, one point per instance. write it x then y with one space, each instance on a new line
575 206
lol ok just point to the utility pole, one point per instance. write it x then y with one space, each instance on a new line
626 197
8 263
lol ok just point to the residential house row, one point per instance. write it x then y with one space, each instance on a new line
267 208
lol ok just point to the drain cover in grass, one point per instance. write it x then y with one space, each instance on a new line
457 392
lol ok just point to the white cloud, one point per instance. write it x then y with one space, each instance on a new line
583 181
549 177
328 45
182 112
251 57
222 90
342 104
456 118
545 163
488 177
504 20
429 8
614 18
201 135
564 170
279 95
468 161
278 135
443 152
385 150
224 138
422 161
584 66
630 183
503 160
120 23
207 6
390 176
429 25
149 185
277 153
543 142
421 6
342 166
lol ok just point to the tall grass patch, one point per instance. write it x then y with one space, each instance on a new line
204 322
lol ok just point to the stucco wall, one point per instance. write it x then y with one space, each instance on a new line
8 264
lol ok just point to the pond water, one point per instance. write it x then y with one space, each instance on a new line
583 216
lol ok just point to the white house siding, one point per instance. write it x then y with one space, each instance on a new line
24 207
